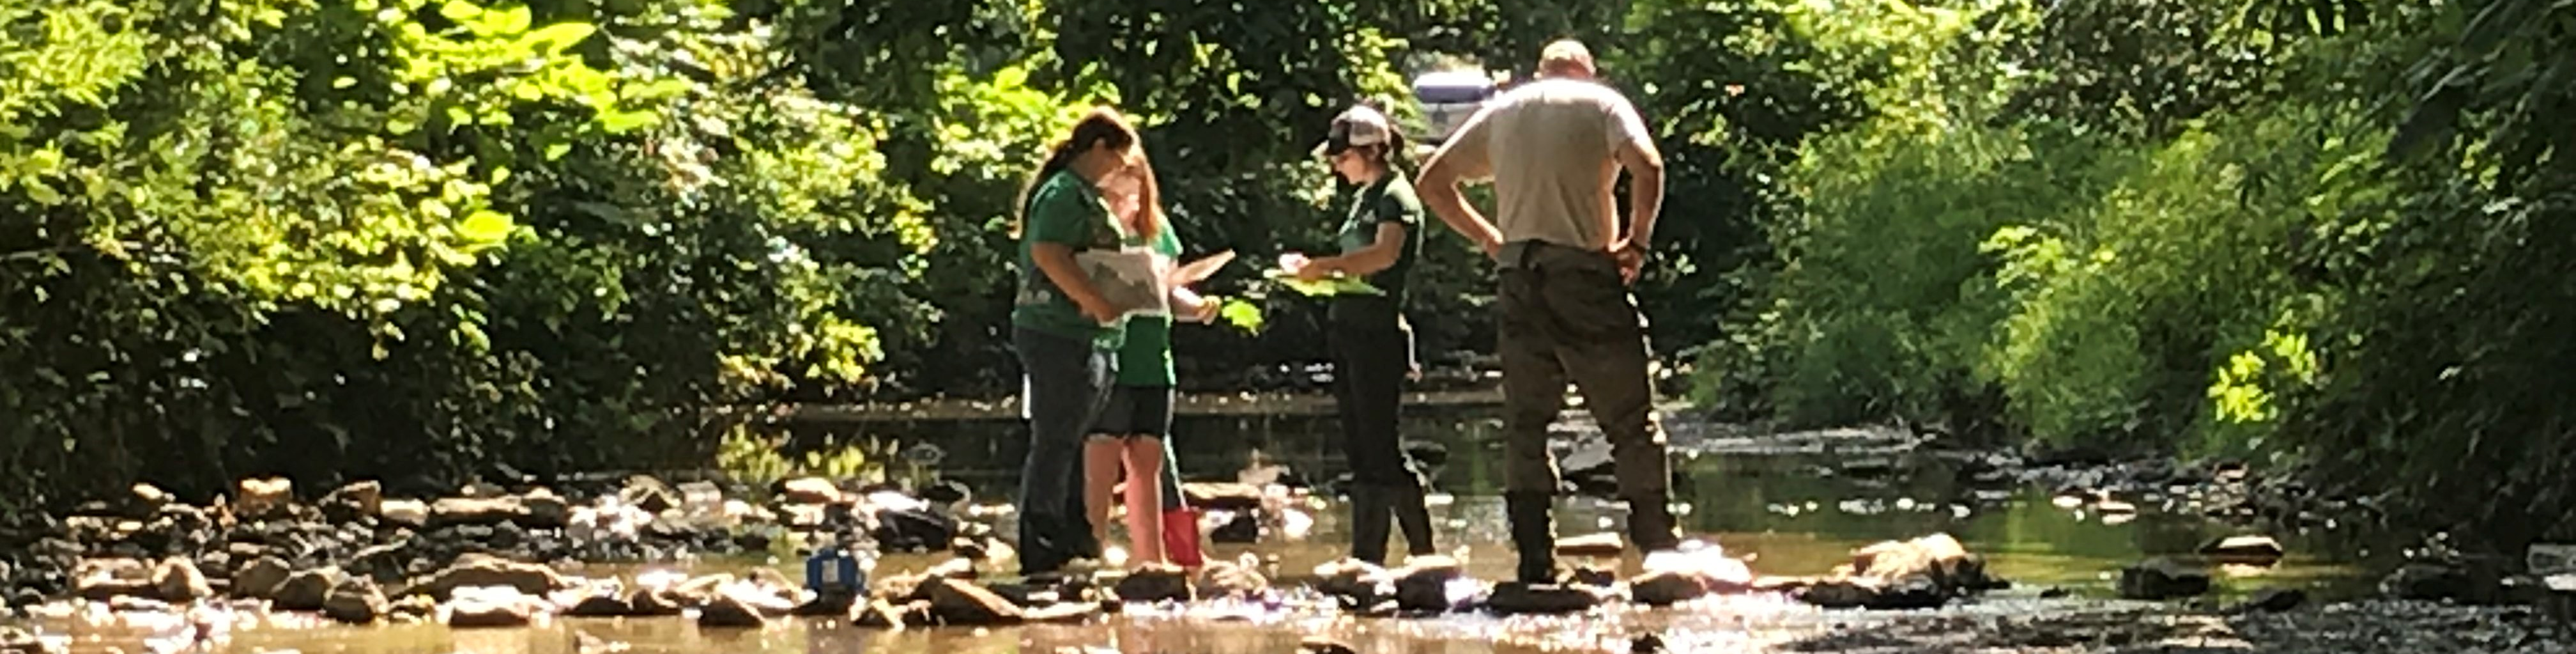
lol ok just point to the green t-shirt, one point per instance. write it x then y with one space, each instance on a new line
1389 200
1146 358
1067 210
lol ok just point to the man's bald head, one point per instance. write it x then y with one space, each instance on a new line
1566 58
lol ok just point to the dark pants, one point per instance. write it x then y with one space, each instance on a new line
1371 358
1565 315
1068 383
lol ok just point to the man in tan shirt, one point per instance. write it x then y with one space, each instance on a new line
1554 148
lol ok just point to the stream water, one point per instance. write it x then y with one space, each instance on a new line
1796 503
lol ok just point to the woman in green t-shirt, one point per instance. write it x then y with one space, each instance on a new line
1130 431
1372 346
1065 332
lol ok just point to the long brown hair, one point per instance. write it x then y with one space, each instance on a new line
1100 126
1148 220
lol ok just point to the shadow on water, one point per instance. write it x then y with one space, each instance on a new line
1796 504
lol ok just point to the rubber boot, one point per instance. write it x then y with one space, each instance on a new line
1413 517
1651 527
1369 518
1533 534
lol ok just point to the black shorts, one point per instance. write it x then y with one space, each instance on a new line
1136 411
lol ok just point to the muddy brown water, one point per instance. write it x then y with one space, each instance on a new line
1790 502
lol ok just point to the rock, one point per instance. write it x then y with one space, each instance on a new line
2247 550
485 570
132 604
1064 613
825 604
178 580
263 498
354 501
962 603
913 529
1423 583
407 513
1646 644
14 640
600 602
1914 592
1516 598
494 606
1592 575
1155 583
307 590
100 580
1231 579
1356 583
544 510
1666 588
2273 600
356 600
476 511
654 602
1324 645
412 608
2427 581
647 493
2162 579
808 490
261 579
1222 496
730 611
1603 544
2545 559
1241 527
879 614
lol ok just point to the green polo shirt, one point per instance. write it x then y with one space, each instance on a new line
1065 209
1146 358
1388 200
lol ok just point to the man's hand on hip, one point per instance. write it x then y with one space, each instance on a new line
1631 257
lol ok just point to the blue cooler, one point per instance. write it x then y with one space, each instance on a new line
833 571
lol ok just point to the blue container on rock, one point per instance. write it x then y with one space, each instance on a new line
832 570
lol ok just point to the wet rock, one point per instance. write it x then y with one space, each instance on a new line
14 640
2272 600
485 570
475 511
101 580
730 611
2545 559
407 513
354 501
598 601
960 602
654 602
2427 581
493 606
1155 583
648 493
1064 613
1666 588
1231 579
263 498
913 529
879 614
1222 496
1937 557
261 579
1603 544
2162 578
1324 645
544 509
825 604
355 600
2246 550
307 590
1356 583
132 604
1516 598
1593 575
1240 528
808 490
1423 583
1646 644
178 580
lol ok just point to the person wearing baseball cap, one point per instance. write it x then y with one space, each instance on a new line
1371 343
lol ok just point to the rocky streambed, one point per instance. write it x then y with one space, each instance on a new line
1925 550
